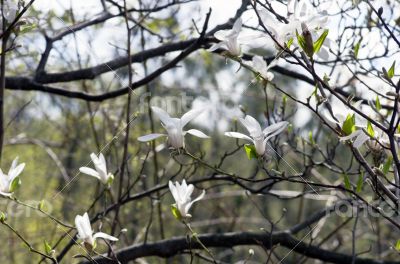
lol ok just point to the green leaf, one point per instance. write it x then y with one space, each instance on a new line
390 72
310 137
250 151
360 183
176 212
47 247
301 41
378 104
397 246
284 101
387 165
349 124
15 184
3 217
320 41
289 43
357 48
26 28
370 129
347 183
315 92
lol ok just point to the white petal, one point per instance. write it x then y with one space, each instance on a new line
187 206
201 196
89 171
187 117
259 63
150 137
361 139
237 26
323 53
216 46
5 194
105 236
251 125
237 135
275 127
222 34
173 190
102 159
16 171
99 163
79 226
164 116
13 164
352 135
197 133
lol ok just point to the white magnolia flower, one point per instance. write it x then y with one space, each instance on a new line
341 115
303 12
181 194
260 65
280 31
375 143
10 9
258 136
85 232
174 127
101 169
229 39
6 181
299 12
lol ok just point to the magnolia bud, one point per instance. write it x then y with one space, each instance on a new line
308 41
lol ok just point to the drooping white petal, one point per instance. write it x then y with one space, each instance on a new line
150 137
187 206
216 46
187 117
352 135
237 135
361 139
222 34
197 133
5 194
90 171
201 196
105 236
360 135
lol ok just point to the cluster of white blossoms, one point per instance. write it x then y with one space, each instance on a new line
175 132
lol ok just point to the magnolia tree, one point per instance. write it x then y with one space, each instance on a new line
213 131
